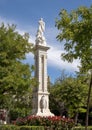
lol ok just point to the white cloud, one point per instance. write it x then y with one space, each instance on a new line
54 59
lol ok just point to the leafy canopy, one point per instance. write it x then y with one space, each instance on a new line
15 77
76 29
71 92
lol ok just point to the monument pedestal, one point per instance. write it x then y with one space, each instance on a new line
41 104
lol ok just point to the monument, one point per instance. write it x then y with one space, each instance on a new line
40 93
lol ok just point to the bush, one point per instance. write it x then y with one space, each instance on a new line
9 127
31 128
13 127
82 128
54 122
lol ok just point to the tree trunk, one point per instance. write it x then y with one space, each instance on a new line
88 101
76 117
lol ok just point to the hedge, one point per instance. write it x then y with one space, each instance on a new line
9 127
82 128
14 127
31 128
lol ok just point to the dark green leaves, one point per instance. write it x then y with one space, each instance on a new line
15 77
76 29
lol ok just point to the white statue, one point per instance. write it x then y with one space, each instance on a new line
41 28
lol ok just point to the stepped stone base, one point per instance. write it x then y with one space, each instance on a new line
44 113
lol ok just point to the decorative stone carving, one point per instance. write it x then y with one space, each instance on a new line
43 103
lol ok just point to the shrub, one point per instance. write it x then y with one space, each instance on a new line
9 127
48 122
13 127
31 128
82 128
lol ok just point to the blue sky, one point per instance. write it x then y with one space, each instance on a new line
26 14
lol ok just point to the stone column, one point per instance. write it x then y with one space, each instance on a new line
41 94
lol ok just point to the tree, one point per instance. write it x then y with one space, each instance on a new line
20 106
15 76
71 93
77 31
76 28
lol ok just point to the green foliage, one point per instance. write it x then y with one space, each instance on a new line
31 128
70 93
73 94
16 79
82 128
9 127
76 29
14 127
